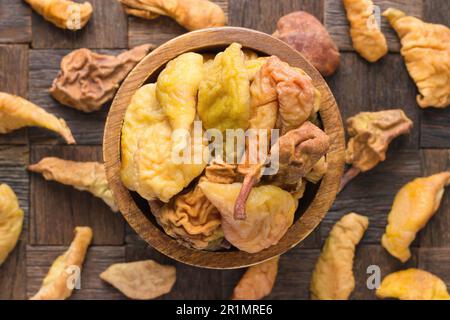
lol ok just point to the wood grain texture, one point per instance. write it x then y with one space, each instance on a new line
15 22
359 86
14 80
87 128
40 258
159 30
13 160
437 231
368 255
263 15
337 24
203 40
372 193
57 209
436 261
108 15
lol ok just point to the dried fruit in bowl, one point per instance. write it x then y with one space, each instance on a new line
192 220
64 14
177 88
148 164
413 206
257 282
88 80
11 221
367 38
224 94
83 176
56 284
191 14
17 112
370 135
306 34
333 278
426 50
141 280
270 212
413 284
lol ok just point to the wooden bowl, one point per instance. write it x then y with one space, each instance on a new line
313 206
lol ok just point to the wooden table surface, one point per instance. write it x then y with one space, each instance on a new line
30 53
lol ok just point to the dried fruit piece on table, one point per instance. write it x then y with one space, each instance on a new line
367 38
64 14
147 150
413 284
426 50
370 135
141 280
332 277
192 220
177 88
56 284
11 221
191 14
270 212
224 94
87 80
413 206
17 112
84 176
306 34
257 282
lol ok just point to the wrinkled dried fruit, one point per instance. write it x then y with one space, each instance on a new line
270 212
413 206
221 172
413 284
367 38
298 151
257 282
148 166
370 134
333 278
11 221
88 80
426 50
306 34
224 94
55 285
64 14
17 112
191 14
318 171
141 280
84 176
177 88
192 220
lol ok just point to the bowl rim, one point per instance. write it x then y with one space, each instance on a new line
201 40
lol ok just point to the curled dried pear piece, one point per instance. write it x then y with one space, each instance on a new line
370 135
257 282
11 221
64 14
141 280
413 284
56 284
191 14
17 112
413 206
88 80
426 50
333 278
83 176
270 212
367 38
